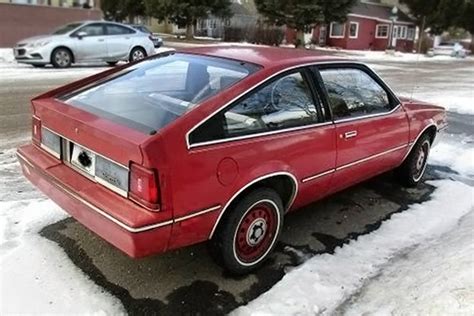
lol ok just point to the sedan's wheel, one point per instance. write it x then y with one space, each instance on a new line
249 232
137 53
412 170
61 58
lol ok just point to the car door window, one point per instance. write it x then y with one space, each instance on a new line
284 103
95 29
354 93
118 30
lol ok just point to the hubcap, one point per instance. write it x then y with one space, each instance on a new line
421 160
137 55
62 58
256 232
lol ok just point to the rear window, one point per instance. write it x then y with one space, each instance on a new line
153 93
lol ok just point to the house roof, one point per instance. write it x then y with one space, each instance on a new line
379 11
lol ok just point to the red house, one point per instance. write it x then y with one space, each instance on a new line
369 26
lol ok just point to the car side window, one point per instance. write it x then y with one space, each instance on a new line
95 29
118 30
283 103
354 93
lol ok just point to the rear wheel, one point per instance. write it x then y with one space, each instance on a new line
248 234
61 58
413 168
136 54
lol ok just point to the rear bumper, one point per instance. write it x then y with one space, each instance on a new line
133 230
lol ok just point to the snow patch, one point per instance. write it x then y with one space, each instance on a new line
459 157
34 268
326 281
444 268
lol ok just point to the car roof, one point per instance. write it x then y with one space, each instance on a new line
265 56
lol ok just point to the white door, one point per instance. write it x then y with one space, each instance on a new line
322 36
89 42
394 35
119 41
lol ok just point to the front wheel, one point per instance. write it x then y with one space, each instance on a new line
136 54
411 172
61 58
249 232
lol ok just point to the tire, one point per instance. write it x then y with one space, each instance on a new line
411 172
136 54
112 63
249 232
61 58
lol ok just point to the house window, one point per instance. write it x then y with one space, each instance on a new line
401 32
411 33
336 30
354 29
381 31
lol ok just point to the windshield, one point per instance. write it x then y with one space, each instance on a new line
66 28
153 93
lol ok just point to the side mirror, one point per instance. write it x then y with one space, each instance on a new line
80 35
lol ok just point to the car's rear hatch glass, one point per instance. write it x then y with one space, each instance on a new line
152 94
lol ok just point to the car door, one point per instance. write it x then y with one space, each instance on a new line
90 42
119 41
371 126
278 126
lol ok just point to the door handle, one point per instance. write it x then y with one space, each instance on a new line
350 134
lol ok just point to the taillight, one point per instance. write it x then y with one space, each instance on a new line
36 130
144 186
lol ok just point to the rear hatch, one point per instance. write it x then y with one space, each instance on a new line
97 125
96 148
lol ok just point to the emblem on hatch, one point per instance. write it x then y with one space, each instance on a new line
84 159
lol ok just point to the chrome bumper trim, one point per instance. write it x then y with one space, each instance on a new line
111 218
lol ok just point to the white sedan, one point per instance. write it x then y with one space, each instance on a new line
88 41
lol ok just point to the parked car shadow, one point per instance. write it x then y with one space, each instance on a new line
187 281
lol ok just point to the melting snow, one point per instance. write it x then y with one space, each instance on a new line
326 281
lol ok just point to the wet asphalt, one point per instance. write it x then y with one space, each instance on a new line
187 281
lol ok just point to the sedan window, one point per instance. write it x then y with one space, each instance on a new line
66 28
96 29
284 103
113 29
353 93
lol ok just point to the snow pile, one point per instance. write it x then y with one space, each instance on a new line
445 269
455 101
6 55
458 156
36 269
326 281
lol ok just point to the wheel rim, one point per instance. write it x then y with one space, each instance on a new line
421 160
137 55
62 58
256 232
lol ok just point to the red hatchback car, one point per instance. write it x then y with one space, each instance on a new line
218 144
